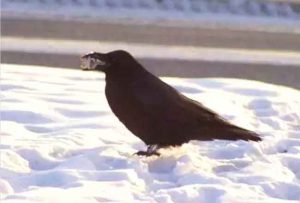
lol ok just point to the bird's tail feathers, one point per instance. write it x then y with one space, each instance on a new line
236 133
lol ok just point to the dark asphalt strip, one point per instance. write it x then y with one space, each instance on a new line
151 34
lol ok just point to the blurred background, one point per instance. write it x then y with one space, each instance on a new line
249 39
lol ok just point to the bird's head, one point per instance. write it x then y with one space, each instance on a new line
105 61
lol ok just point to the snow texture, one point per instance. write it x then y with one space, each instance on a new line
61 143
230 11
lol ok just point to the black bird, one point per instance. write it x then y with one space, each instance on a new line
153 110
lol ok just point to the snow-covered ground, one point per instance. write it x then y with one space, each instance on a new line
238 13
280 8
61 143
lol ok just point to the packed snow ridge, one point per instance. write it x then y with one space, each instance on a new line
182 9
61 143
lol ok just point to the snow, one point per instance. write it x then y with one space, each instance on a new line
254 14
61 143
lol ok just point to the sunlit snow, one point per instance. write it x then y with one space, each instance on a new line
61 143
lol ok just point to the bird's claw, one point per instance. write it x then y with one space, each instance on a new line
145 153
151 150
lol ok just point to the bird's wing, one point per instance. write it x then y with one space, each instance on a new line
152 94
157 97
165 105
200 112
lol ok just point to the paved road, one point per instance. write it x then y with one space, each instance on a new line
154 34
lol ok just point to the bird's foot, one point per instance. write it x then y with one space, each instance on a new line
145 153
151 150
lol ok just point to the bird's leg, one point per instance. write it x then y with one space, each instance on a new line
151 150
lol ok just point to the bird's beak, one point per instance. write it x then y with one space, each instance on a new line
84 63
90 63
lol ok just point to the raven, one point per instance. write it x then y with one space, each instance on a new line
153 110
